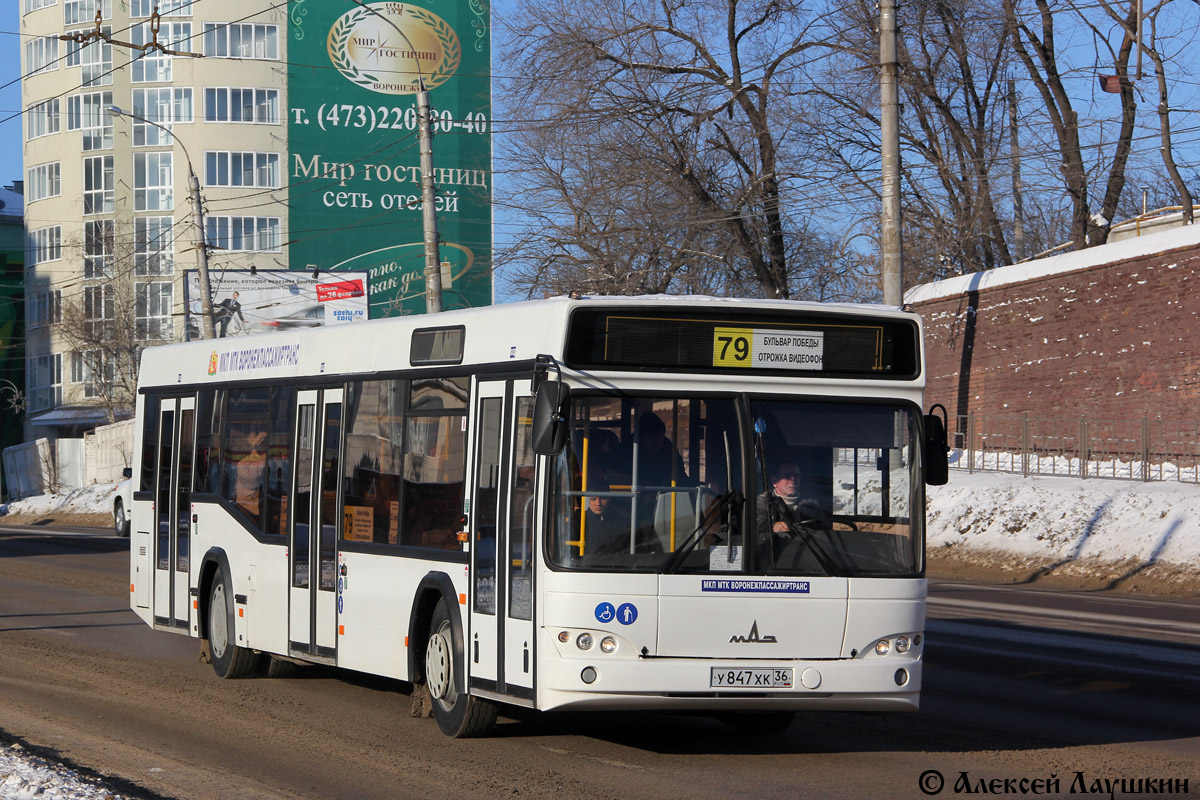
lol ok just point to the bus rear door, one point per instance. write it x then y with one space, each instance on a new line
173 510
313 526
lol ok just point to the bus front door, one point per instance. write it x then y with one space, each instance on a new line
503 552
173 511
313 526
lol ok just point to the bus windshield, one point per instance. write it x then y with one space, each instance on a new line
658 484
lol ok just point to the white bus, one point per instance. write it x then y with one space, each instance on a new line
577 503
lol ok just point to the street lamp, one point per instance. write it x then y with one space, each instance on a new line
206 309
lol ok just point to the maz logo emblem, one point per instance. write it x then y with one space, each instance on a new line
753 638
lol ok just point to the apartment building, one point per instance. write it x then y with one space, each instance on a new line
296 118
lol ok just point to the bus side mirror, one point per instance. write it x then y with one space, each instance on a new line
937 461
127 472
550 418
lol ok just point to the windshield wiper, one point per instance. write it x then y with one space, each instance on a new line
711 517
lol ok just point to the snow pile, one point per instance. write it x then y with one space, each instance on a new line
1067 519
23 775
95 499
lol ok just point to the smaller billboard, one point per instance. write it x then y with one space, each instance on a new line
246 303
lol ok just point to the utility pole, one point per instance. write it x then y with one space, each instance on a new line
206 309
892 267
433 261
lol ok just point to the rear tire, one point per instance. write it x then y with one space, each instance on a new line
458 714
120 520
228 660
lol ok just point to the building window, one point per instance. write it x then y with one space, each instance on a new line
34 5
98 239
42 119
259 170
79 12
153 181
42 181
154 66
153 310
98 185
43 308
166 106
98 312
41 55
43 377
88 113
228 104
84 367
94 60
166 8
243 233
44 244
241 40
153 246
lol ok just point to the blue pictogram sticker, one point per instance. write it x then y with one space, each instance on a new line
627 614
605 612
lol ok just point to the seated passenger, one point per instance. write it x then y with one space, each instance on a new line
605 528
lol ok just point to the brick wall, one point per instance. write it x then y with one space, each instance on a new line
1114 340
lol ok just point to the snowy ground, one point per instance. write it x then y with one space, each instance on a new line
24 776
1067 519
97 499
1051 520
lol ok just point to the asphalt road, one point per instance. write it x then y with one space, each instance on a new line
1019 684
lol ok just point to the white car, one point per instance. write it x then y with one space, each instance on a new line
121 503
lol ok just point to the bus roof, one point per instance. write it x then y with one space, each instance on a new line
489 335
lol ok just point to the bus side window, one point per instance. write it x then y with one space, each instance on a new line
149 442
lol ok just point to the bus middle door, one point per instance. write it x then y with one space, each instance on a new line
313 527
503 548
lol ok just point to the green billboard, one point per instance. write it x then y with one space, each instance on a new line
355 180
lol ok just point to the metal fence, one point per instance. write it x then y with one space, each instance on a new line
1138 449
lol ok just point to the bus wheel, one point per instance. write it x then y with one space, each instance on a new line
458 714
228 660
120 520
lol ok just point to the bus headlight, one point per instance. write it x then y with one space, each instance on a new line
583 641
608 644
883 647
901 644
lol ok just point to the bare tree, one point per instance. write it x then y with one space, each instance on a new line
1150 46
1033 39
111 318
660 149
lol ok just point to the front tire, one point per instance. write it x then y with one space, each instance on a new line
228 660
458 714
120 520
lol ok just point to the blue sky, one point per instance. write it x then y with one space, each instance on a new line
10 96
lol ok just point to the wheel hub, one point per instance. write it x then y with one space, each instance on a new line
218 626
437 666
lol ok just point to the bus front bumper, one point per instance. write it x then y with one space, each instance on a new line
605 683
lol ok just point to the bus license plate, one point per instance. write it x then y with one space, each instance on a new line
725 677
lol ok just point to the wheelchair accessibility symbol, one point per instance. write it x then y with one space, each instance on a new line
605 612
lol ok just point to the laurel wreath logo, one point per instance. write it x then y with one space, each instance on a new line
343 29
451 50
